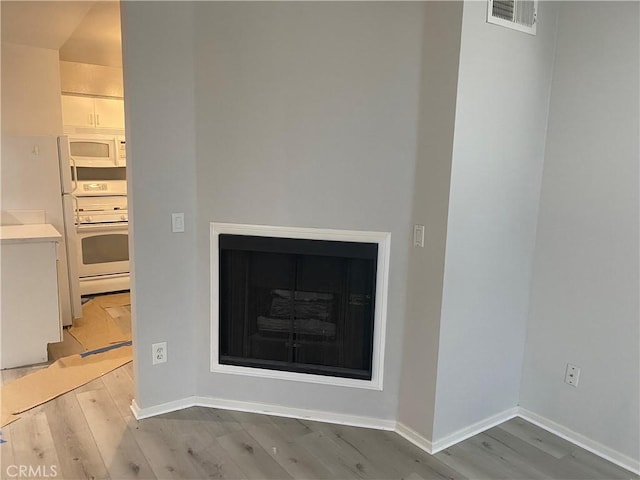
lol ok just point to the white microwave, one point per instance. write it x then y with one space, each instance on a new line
97 151
98 165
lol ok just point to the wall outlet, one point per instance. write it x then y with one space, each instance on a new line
572 375
177 222
159 351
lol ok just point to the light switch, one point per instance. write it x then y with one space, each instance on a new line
418 235
177 222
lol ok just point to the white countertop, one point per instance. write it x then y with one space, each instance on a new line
37 232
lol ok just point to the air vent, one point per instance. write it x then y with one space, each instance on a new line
518 15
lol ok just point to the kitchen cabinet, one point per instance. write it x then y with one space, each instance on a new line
30 308
92 112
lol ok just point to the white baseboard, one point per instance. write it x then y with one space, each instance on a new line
267 409
561 431
414 437
304 414
403 430
455 437
140 413
474 429
597 448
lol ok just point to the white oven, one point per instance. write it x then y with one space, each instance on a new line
103 249
102 244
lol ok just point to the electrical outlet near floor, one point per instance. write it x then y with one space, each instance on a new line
572 375
159 351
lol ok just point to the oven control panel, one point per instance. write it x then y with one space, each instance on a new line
101 210
95 187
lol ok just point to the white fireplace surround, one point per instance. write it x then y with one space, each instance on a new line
383 239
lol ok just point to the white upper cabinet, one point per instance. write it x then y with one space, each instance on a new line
78 111
90 112
109 112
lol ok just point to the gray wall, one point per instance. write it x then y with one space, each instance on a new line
159 107
319 115
584 297
439 84
306 116
501 112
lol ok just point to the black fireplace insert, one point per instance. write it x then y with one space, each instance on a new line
297 305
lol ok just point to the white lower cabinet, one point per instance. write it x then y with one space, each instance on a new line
30 317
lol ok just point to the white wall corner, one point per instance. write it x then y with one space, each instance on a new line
473 429
432 447
414 437
580 440
607 453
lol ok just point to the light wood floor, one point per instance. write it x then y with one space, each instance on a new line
90 433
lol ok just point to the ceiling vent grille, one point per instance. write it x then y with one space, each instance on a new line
519 15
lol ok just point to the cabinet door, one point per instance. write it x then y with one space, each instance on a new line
77 111
30 314
109 113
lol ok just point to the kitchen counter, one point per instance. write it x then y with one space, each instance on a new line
38 232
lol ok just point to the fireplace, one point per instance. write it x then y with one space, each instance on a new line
298 303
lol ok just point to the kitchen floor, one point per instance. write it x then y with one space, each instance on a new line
90 432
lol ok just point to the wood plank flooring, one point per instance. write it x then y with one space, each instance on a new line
89 433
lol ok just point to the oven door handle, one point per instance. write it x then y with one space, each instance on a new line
75 174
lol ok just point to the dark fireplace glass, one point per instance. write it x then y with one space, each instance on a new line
297 305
